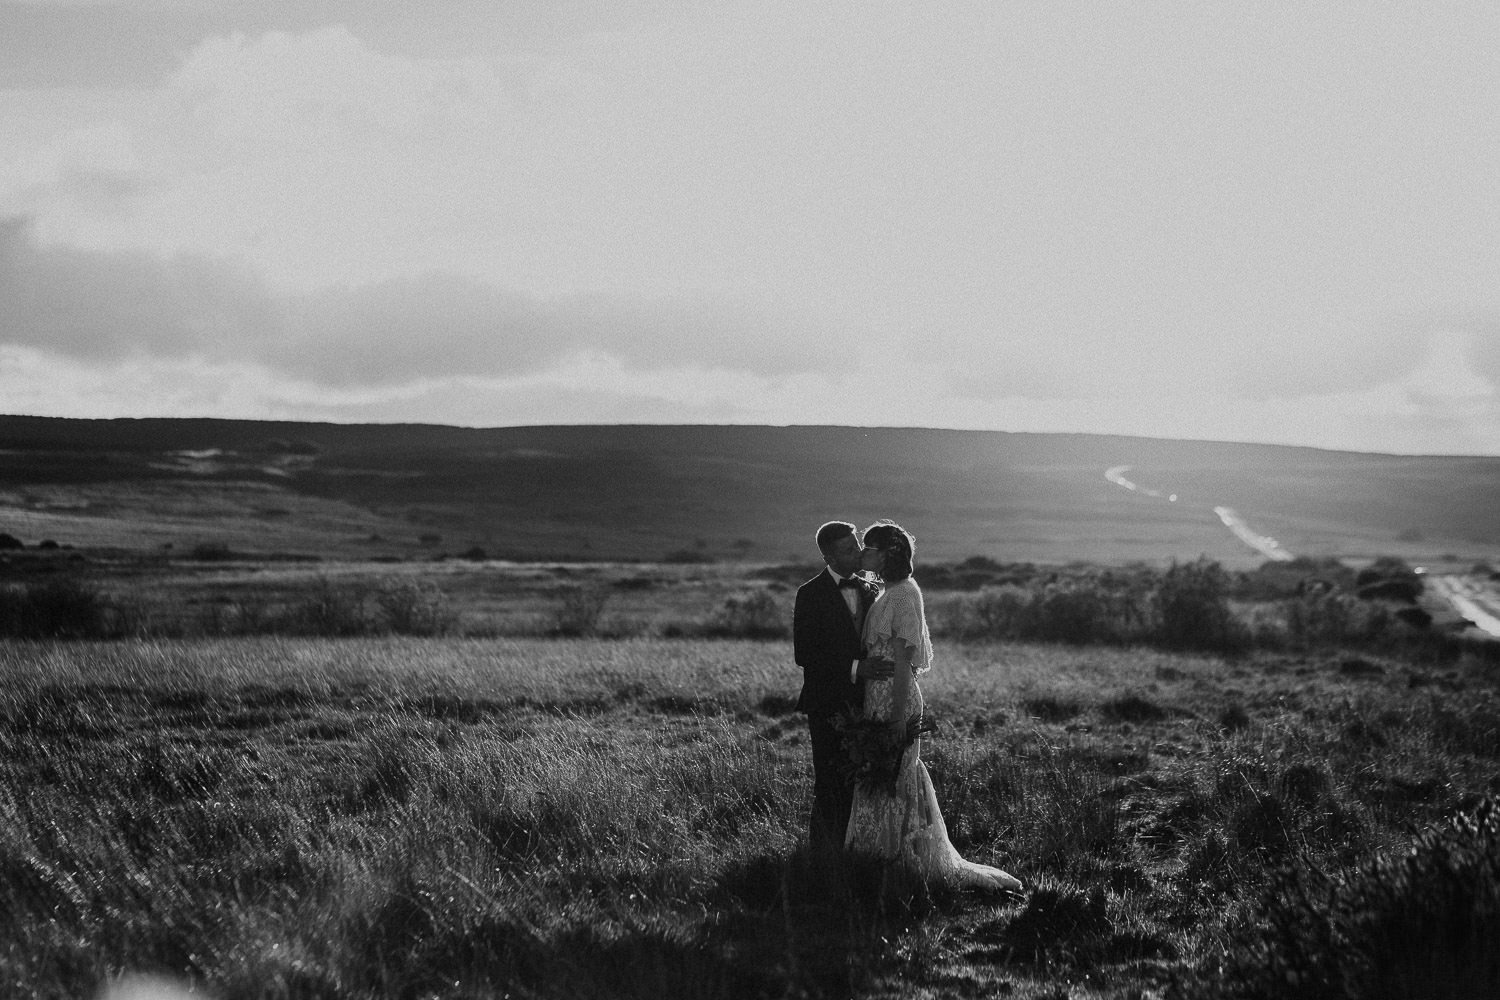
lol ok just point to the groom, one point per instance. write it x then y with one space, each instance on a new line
827 622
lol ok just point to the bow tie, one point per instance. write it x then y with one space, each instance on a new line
853 582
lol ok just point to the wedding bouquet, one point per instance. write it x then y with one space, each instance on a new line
872 752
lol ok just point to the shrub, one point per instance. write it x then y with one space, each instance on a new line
332 609
1419 924
578 610
1192 608
993 613
1390 570
753 615
1406 591
1274 581
1076 610
414 607
1073 612
1417 618
1331 617
247 616
63 607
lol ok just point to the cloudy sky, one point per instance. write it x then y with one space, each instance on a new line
1246 221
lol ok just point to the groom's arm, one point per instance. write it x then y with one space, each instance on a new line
807 649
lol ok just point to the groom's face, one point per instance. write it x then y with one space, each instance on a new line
843 555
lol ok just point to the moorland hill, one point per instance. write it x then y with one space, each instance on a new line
749 493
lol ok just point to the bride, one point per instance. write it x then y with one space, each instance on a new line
905 827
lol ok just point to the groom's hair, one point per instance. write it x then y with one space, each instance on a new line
832 532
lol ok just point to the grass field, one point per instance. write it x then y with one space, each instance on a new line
288 817
311 711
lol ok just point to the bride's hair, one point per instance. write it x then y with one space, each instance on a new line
899 546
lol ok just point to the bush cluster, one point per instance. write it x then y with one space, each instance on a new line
1199 605
1320 617
329 608
976 573
74 607
755 614
61 607
578 611
1388 578
1185 607
1190 608
1420 923
1195 605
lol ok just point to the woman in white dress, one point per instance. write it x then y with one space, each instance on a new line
905 827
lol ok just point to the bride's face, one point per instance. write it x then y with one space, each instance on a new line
872 560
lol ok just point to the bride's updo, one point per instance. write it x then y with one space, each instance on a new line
899 546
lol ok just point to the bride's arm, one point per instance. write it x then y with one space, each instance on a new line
901 685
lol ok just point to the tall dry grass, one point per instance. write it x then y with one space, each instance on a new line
463 818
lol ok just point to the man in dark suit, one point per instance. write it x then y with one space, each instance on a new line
827 622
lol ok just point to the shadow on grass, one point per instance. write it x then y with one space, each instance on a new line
812 923
822 926
775 926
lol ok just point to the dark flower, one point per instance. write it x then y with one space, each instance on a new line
873 753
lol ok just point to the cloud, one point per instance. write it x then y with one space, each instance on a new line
115 304
1484 349
1038 212
312 156
435 326
442 324
587 388
1063 364
111 305
286 90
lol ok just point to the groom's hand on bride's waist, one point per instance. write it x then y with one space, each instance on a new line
876 668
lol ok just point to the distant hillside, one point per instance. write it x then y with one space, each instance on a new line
726 492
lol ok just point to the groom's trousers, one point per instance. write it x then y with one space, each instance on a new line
833 796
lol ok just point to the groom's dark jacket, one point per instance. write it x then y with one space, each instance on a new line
825 643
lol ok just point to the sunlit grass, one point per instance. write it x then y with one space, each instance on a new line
466 817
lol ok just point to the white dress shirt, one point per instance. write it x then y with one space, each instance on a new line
849 594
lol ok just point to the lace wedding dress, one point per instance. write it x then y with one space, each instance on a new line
907 828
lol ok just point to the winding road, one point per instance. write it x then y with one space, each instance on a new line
1264 544
1477 600
1472 597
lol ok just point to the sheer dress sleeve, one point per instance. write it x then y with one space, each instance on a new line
907 620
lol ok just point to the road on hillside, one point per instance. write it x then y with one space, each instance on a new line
1264 544
1476 598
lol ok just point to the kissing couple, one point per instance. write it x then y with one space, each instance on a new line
859 632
